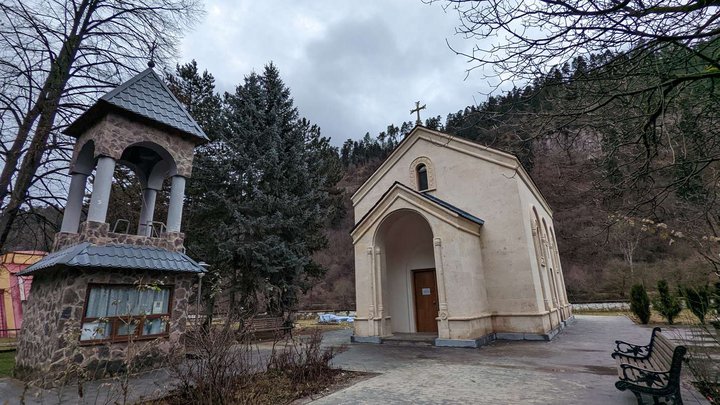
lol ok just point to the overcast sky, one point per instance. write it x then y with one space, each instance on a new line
352 66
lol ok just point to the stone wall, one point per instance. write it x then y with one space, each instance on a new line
99 233
113 134
49 346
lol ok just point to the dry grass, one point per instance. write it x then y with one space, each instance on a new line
685 318
308 326
278 388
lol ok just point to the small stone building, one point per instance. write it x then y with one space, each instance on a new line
102 290
454 241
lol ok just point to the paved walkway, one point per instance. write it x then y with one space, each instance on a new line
574 368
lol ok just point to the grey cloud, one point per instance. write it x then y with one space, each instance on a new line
351 68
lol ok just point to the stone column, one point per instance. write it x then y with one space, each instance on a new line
444 327
73 208
371 308
380 314
101 189
147 211
177 196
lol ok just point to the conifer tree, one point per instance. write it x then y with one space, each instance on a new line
640 303
265 194
667 303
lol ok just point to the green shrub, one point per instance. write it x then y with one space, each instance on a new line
640 303
666 303
698 301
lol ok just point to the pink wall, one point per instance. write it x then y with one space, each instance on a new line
15 262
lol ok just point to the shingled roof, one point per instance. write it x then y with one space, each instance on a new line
116 256
147 97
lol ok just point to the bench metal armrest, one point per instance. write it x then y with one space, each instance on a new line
630 350
648 378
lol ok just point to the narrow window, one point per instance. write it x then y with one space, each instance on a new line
422 177
121 312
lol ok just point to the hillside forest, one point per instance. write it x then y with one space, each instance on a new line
633 182
634 190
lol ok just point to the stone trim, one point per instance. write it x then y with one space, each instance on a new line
430 170
114 133
99 233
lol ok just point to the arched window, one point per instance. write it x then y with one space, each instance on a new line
422 177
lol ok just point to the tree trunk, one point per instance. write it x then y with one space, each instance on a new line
13 155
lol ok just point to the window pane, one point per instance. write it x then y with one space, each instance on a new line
127 327
95 330
154 326
108 301
422 177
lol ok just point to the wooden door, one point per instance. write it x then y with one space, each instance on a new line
426 300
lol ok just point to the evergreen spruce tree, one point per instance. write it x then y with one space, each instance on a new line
266 193
698 301
196 91
667 303
640 303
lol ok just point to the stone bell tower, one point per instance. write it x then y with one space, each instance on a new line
101 290
140 125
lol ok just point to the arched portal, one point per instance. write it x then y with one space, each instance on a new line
408 281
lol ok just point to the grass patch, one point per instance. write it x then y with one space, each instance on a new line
685 318
308 326
7 363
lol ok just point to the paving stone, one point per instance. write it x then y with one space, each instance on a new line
574 368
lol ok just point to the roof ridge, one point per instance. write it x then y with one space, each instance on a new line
117 90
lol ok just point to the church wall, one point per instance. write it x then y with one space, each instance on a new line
555 294
468 308
492 281
485 189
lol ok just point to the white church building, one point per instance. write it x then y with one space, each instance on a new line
454 241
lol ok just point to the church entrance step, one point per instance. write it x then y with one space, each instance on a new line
410 339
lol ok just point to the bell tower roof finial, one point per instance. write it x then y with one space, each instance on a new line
151 62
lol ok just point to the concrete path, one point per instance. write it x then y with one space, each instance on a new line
574 368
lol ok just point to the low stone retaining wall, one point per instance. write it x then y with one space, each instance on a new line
601 306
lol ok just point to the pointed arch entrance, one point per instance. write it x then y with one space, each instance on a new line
407 277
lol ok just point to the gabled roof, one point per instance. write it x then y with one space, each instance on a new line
116 256
443 209
464 214
145 96
457 143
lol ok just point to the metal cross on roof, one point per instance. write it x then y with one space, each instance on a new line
417 110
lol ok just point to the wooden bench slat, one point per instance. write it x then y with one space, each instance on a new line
656 372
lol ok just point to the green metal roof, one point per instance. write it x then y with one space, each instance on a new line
116 256
146 96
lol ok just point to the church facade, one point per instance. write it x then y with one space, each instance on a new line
453 239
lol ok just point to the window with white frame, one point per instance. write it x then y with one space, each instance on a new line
119 312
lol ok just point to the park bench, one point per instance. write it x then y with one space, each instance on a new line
267 325
652 369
